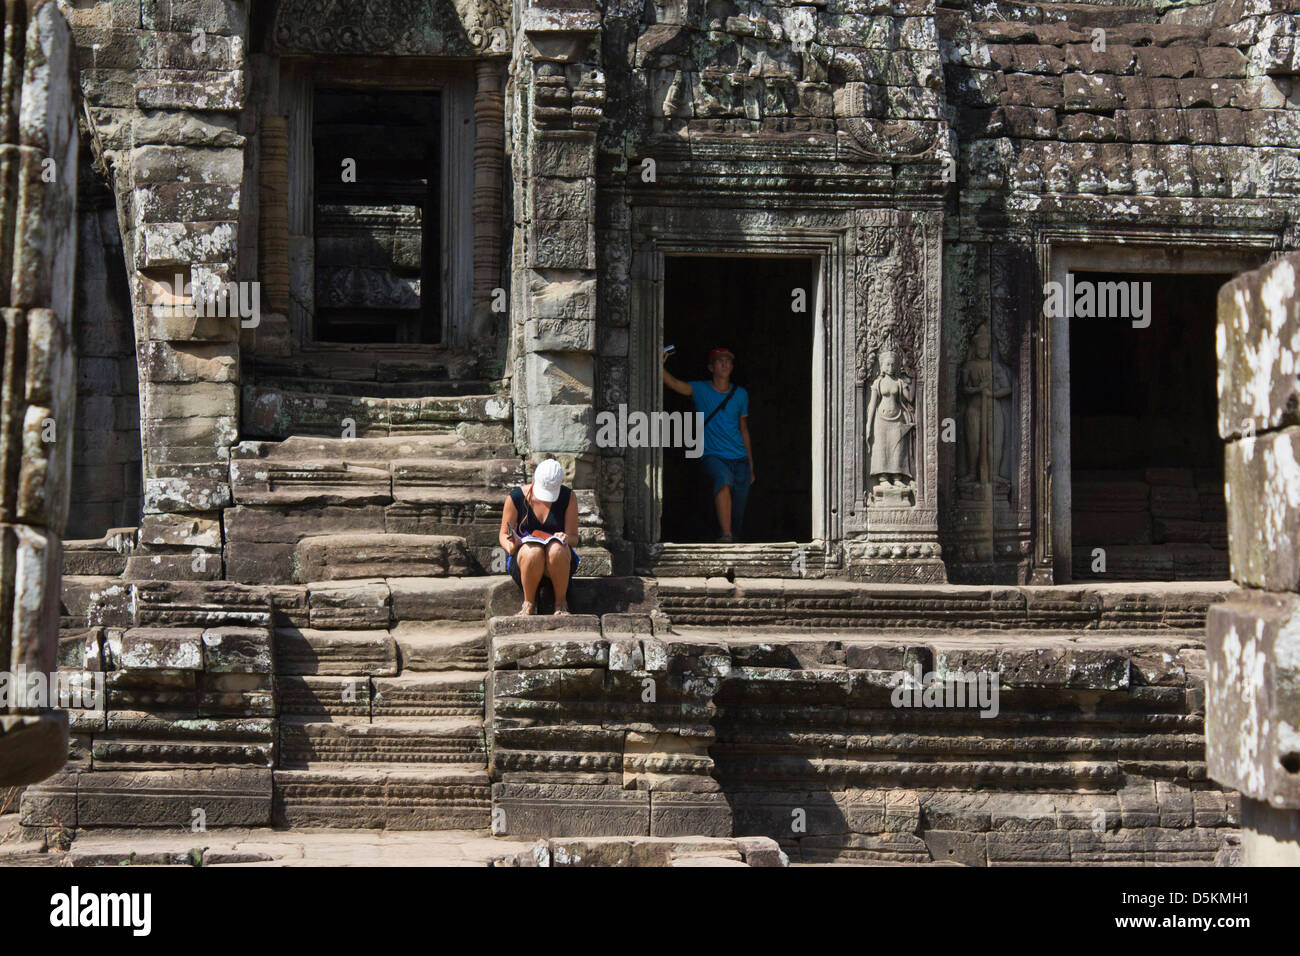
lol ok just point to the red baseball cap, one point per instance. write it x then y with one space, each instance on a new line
719 352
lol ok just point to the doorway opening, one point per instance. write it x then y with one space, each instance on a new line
1146 460
763 309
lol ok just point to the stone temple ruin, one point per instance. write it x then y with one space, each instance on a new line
345 272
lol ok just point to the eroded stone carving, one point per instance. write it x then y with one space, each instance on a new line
986 390
393 27
891 431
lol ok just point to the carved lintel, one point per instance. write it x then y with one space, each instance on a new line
394 27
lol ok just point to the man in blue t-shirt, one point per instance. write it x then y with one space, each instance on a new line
728 458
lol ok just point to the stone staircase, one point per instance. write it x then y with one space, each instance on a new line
319 509
768 708
381 715
420 703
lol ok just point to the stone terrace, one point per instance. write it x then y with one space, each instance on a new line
763 708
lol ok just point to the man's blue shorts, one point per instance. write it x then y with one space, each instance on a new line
727 471
733 472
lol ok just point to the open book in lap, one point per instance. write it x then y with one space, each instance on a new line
533 537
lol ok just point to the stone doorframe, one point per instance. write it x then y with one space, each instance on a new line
473 157
826 238
1060 253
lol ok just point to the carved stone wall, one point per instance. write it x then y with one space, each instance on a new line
38 252
1100 127
782 130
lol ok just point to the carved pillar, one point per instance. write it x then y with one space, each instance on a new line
898 299
38 248
1252 642
560 95
1043 568
556 275
181 199
489 144
273 191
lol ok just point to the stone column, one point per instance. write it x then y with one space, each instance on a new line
489 158
38 249
165 88
1252 732
561 89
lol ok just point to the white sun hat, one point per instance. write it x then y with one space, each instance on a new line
547 480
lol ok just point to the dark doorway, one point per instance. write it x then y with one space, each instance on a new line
748 305
1146 459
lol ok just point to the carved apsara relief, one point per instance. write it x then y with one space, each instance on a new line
985 387
890 334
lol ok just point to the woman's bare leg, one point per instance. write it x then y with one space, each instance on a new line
558 561
532 564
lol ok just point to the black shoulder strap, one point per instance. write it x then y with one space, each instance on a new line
523 510
720 407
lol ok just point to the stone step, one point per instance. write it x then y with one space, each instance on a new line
950 607
376 604
432 694
372 604
420 694
788 559
361 472
441 646
263 539
446 446
306 741
306 695
444 600
452 797
287 381
350 653
382 366
587 594
278 413
338 557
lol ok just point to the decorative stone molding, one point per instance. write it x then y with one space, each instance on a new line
394 27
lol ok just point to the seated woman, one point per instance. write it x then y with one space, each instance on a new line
537 524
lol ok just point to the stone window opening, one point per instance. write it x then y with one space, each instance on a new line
381 258
377 210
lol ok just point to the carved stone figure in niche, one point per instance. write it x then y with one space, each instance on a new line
986 390
668 11
891 428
